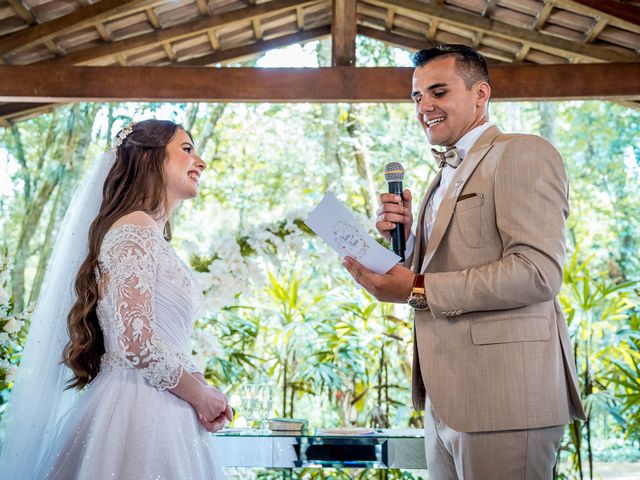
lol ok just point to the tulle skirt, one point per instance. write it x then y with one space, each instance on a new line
123 428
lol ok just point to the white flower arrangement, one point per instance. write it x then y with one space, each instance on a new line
12 328
236 265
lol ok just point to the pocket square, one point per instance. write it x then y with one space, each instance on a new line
465 196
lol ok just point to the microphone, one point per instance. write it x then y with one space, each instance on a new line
393 174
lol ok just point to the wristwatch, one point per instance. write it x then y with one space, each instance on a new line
418 298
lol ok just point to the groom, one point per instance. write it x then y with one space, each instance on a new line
493 367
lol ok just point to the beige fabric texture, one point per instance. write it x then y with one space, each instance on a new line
493 353
506 455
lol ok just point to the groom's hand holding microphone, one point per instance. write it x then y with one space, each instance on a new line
393 222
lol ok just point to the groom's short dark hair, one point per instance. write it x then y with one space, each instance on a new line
470 65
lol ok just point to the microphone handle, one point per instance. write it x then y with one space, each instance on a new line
397 234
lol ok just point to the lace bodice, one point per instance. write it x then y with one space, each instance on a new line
147 305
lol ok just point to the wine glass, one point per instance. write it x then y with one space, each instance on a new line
263 406
249 398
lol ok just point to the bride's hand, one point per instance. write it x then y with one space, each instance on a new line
213 409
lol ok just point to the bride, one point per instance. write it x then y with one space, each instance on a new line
144 411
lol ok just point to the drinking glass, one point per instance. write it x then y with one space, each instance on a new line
263 406
249 399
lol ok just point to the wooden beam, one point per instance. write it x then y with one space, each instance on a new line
615 8
258 47
21 10
177 32
543 15
34 83
541 41
78 18
343 33
595 30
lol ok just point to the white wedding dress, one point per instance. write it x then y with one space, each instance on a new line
127 424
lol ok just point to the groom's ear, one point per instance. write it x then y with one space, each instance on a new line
483 93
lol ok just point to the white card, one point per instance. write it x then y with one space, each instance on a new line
337 226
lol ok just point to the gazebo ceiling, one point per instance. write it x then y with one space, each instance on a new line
58 34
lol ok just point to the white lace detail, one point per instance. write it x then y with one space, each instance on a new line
187 362
129 259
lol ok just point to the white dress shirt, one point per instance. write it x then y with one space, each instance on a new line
463 145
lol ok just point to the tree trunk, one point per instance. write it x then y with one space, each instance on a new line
363 160
45 250
30 221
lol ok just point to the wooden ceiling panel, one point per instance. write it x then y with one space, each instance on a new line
527 7
371 22
317 18
571 20
222 6
501 44
544 58
402 22
29 55
11 25
181 46
471 6
45 11
183 13
78 38
445 37
234 37
8 13
371 11
147 57
495 54
194 51
562 32
512 17
270 22
317 8
280 31
408 34
623 38
132 23
468 35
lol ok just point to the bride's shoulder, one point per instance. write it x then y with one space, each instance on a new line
136 219
137 226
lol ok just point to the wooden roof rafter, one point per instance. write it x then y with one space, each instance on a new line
205 33
178 32
541 41
72 21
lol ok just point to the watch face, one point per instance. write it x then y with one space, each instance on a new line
418 302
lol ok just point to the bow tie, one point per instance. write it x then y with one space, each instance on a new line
451 157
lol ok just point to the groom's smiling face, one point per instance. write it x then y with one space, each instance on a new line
445 107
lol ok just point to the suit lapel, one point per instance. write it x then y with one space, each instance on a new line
480 148
419 240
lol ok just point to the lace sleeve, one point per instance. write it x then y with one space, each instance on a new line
187 362
133 261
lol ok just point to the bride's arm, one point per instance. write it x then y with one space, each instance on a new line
132 266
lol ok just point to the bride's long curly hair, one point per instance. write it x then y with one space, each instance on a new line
135 182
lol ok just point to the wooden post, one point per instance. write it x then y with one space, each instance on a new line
343 33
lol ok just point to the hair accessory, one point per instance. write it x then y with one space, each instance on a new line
122 136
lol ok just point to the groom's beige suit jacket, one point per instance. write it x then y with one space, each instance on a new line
493 352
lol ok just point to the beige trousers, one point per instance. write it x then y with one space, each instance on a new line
506 455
